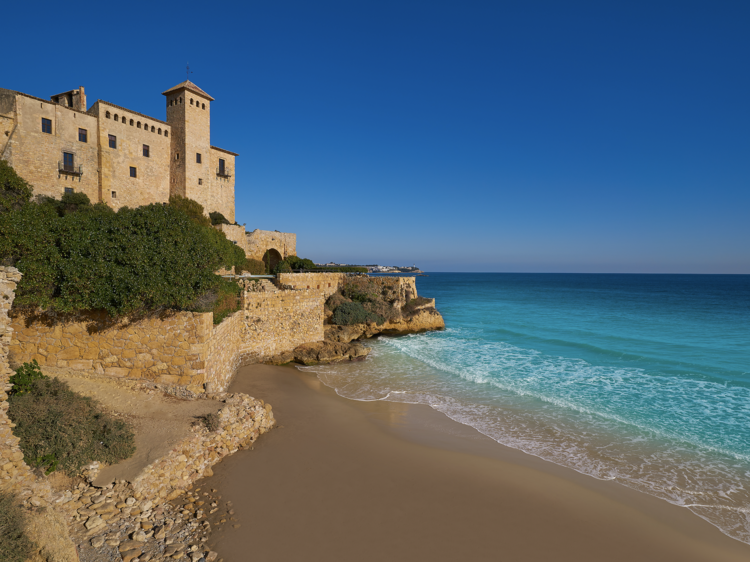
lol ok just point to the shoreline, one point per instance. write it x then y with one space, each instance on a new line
340 479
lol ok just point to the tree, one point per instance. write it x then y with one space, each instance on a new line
15 191
217 218
191 208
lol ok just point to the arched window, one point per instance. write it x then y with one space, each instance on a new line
166 133
153 129
191 101
203 106
107 115
159 130
131 122
116 117
145 126
138 124
180 99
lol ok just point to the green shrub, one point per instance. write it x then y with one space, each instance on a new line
15 191
349 313
335 300
14 545
25 375
251 266
191 208
59 428
130 261
282 267
217 218
222 300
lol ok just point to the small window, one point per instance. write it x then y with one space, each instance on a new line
68 162
166 133
112 141
69 190
114 195
146 151
177 156
203 106
46 126
159 131
116 117
107 115
83 135
139 124
133 172
153 129
200 181
180 99
131 122
191 101
222 166
197 158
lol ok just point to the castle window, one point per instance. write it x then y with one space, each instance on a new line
177 156
146 151
222 167
180 99
116 118
112 141
114 195
107 115
68 162
200 181
131 122
83 135
153 129
159 130
191 101
197 158
46 126
166 133
133 172
68 190
139 124
203 106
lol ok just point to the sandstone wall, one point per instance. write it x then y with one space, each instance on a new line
221 195
326 283
259 241
168 349
35 154
235 233
223 354
133 131
277 322
15 476
403 288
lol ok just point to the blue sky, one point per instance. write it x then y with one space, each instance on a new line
457 135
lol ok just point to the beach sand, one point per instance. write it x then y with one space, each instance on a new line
354 481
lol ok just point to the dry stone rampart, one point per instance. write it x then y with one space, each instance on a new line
326 283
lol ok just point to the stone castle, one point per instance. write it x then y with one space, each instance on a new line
124 158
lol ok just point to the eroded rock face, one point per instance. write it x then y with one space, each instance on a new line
329 352
423 320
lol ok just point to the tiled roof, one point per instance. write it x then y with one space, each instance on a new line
188 85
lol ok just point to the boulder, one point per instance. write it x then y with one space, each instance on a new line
329 352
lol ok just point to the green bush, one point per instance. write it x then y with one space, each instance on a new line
15 192
349 313
217 218
24 376
191 208
130 261
14 545
282 267
222 300
251 266
335 300
59 428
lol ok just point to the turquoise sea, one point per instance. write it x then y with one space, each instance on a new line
641 379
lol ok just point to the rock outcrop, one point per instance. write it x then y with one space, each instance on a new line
425 319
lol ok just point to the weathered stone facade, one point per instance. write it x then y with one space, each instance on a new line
326 283
267 245
115 155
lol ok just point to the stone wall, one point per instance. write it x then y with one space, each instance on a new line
326 283
221 195
35 154
224 352
259 241
404 288
168 348
235 233
132 131
15 475
278 322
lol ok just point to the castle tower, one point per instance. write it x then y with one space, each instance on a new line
189 114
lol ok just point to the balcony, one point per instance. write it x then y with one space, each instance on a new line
69 169
223 172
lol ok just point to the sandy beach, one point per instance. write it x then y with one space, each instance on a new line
345 480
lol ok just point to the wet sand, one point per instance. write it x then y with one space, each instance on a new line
354 481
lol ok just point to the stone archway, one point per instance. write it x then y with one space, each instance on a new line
271 258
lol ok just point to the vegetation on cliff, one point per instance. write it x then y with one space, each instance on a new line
76 256
14 545
360 299
60 429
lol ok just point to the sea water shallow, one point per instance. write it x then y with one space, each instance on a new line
641 379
